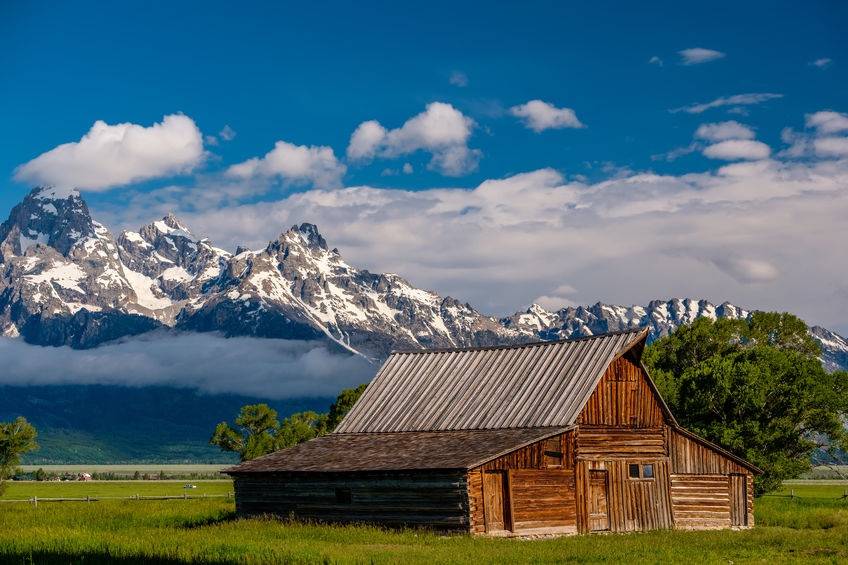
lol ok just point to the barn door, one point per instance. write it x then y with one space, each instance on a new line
598 511
738 500
496 501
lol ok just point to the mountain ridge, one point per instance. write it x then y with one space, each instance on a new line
68 281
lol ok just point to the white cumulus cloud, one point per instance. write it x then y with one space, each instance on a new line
315 165
828 121
698 55
440 129
822 63
722 131
738 149
114 155
831 146
539 116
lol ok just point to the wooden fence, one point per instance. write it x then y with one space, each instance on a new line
36 500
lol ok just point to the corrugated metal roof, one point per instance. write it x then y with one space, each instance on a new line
395 451
524 386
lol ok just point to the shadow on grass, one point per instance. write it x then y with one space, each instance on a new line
222 518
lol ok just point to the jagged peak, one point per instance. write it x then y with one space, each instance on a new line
309 234
538 310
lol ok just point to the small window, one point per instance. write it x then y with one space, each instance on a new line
634 471
553 453
647 471
343 495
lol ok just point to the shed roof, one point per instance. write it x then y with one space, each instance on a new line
396 451
535 385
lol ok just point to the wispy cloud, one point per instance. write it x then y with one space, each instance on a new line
822 63
699 55
539 116
655 61
458 78
735 100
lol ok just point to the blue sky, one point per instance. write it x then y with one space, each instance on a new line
309 75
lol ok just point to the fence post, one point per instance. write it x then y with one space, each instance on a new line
185 496
87 498
35 501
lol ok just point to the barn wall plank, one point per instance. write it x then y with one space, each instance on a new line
691 457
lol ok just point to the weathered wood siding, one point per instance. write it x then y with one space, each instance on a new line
632 504
603 442
541 491
623 398
436 499
701 501
689 456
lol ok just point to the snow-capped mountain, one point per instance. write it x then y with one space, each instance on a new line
67 281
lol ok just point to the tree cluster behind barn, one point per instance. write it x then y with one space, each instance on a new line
553 437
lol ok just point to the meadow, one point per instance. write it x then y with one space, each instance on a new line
812 527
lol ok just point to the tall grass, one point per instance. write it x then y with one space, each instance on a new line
804 529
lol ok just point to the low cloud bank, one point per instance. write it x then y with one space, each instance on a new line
264 368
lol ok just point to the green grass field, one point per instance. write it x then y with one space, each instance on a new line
810 528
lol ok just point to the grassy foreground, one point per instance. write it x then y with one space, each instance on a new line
812 528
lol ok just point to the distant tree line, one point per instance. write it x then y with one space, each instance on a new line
258 431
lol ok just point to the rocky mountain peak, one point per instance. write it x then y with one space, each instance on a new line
310 235
50 216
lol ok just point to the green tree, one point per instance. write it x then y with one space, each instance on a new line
40 475
755 387
258 431
16 438
344 402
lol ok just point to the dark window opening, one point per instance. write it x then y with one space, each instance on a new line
343 495
637 471
634 471
647 471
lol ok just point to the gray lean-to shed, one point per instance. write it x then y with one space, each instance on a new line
555 437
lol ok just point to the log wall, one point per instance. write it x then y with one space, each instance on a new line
701 501
436 499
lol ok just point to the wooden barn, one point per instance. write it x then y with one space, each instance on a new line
554 437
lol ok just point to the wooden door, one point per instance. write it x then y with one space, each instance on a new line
496 501
598 512
738 500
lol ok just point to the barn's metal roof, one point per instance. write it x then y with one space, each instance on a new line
400 451
535 385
